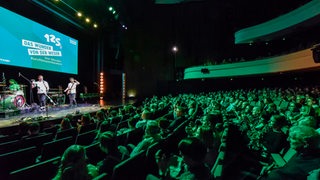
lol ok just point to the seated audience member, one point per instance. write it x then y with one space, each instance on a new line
145 116
104 127
151 136
73 165
308 121
304 112
100 116
274 140
113 156
23 129
85 120
65 124
292 112
164 124
33 130
192 152
206 135
131 126
178 115
305 140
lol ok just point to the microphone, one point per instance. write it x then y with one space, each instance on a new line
19 74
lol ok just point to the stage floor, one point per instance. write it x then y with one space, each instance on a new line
52 113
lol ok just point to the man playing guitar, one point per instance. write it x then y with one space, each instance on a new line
43 89
71 91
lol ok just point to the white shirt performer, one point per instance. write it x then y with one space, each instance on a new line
42 89
71 91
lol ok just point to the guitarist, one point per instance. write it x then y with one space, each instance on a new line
42 90
71 91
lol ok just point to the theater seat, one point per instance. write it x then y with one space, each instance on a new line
86 138
94 153
16 160
132 168
43 170
66 133
55 148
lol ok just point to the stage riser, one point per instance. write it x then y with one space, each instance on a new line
7 114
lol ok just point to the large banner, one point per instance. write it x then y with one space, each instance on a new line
25 43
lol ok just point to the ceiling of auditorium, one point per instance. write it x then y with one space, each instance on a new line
240 13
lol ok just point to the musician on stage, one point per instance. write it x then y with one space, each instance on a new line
71 91
14 86
43 89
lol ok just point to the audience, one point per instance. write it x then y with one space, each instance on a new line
305 140
73 165
268 121
113 156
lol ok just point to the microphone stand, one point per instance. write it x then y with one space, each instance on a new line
30 91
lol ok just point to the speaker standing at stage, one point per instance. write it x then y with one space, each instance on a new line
42 90
71 91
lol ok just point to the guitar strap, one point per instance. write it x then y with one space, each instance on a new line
71 87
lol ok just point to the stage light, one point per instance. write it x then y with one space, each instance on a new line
95 25
87 20
79 14
132 93
101 86
114 12
110 8
175 49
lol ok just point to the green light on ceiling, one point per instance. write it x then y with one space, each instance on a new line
110 8
113 12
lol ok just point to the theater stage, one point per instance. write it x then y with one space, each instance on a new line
51 114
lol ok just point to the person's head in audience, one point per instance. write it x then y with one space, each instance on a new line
271 108
292 107
192 150
256 111
311 102
267 100
205 134
300 99
104 126
132 122
303 137
244 105
248 109
23 128
308 121
73 164
65 124
100 116
146 114
34 128
108 143
85 119
113 113
178 112
277 122
152 130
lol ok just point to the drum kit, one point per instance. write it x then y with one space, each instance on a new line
12 99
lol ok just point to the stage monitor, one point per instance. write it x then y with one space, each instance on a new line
26 43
